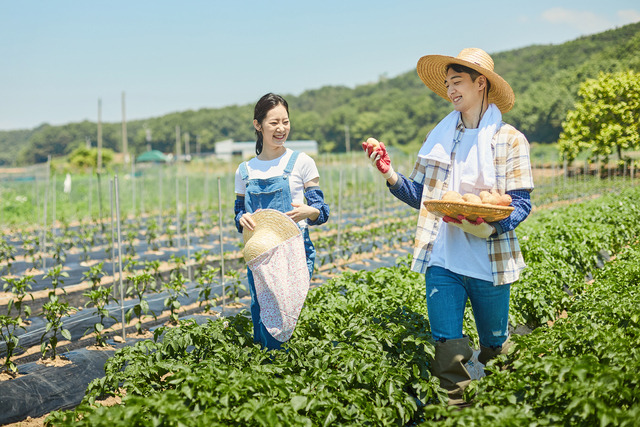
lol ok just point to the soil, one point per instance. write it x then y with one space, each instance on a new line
57 361
4 376
39 422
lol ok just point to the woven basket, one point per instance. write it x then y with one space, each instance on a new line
471 211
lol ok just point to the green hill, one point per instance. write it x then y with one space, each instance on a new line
399 110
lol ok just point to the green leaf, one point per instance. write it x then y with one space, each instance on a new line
298 402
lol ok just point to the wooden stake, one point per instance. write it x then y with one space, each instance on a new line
43 247
115 181
177 143
187 220
113 234
224 305
125 143
99 165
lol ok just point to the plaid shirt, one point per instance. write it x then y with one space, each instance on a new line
513 172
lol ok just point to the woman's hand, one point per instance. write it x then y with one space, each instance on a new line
302 211
247 222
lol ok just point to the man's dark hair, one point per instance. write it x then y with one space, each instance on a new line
472 73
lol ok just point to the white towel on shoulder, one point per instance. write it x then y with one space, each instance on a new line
478 171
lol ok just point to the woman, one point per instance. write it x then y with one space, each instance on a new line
277 178
469 151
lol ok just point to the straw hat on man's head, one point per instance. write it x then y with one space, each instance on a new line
272 228
432 70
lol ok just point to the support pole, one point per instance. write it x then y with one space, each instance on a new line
115 181
54 196
221 245
113 234
188 239
133 188
99 162
43 247
178 210
100 202
125 142
338 247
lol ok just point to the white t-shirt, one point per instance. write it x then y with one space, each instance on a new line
303 171
455 250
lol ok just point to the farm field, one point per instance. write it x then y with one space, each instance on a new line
361 352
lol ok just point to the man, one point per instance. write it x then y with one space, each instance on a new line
469 151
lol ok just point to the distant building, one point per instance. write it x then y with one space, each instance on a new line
226 149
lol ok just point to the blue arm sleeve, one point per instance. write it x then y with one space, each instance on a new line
315 198
238 208
521 201
407 191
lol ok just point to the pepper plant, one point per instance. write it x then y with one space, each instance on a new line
140 284
152 235
130 248
205 281
54 310
176 288
19 288
8 327
56 274
95 274
59 250
153 267
236 284
31 247
99 298
201 261
7 254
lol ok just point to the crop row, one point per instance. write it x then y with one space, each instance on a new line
143 278
582 371
564 246
362 348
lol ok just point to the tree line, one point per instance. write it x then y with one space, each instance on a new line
399 110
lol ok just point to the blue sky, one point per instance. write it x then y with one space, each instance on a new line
58 57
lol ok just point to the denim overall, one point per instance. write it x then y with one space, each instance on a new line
271 193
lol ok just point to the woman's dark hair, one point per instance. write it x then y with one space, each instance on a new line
263 106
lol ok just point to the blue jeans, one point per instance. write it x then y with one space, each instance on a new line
260 334
447 295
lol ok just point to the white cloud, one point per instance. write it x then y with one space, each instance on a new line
585 21
588 22
628 16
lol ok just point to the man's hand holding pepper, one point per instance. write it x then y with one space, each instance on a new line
379 157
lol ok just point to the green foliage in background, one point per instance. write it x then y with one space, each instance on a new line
87 158
399 110
607 118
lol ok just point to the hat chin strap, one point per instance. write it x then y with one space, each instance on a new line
484 93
